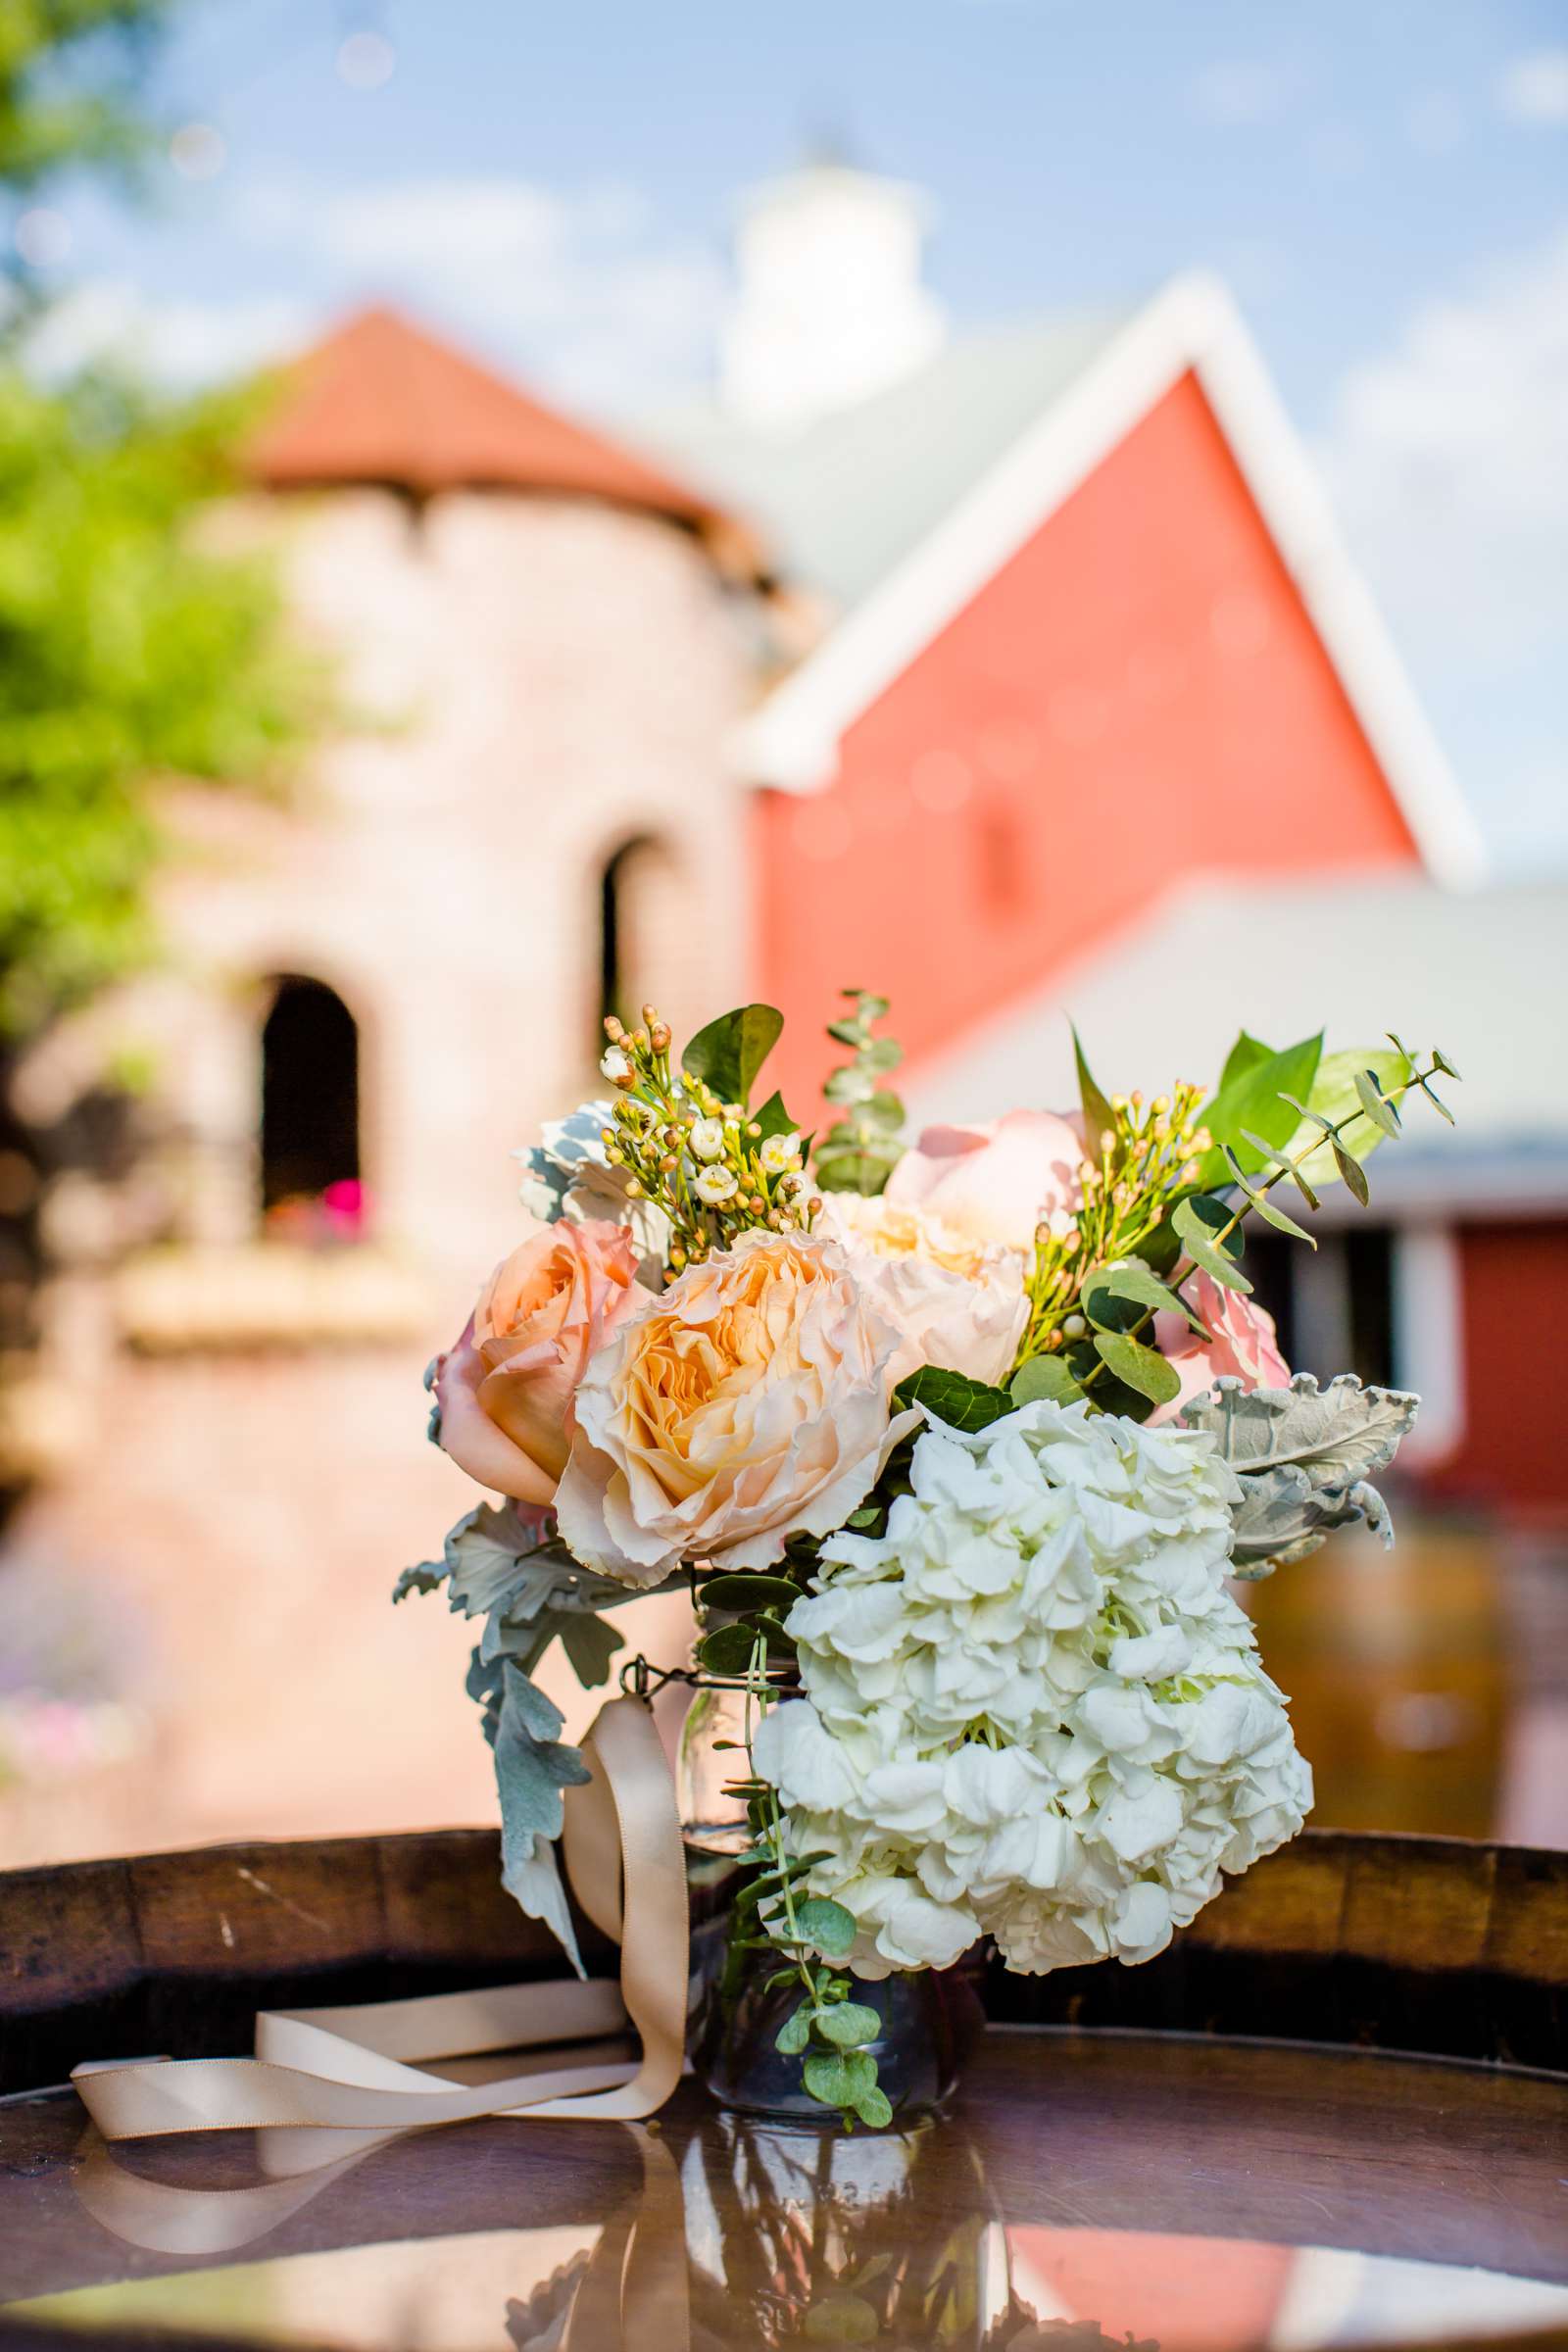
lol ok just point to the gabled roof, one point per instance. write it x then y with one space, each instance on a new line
382 401
978 465
844 502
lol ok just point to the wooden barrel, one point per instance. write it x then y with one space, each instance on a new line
1396 1668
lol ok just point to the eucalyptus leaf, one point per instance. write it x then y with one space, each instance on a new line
1196 1220
838 2078
825 1925
1137 1288
1142 1368
1447 1066
729 1052
1352 1174
728 1650
748 1589
953 1398
794 2033
1334 1099
1379 1110
1046 1376
874 2107
847 2025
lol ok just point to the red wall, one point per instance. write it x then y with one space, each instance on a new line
1137 693
1514 1290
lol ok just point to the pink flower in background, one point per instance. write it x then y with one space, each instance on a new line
994 1181
507 1388
1245 1346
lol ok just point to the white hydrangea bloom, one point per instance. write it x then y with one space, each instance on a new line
1032 1710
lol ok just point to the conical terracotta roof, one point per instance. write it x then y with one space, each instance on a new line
382 401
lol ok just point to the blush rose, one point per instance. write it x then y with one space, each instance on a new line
506 1391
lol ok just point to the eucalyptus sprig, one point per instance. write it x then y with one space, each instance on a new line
828 2029
1204 1226
861 1152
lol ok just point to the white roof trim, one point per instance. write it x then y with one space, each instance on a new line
793 741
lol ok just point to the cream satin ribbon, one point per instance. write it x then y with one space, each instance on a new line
369 2068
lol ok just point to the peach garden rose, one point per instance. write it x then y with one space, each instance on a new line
506 1390
993 1183
956 1302
748 1404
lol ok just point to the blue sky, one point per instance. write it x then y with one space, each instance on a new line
1385 188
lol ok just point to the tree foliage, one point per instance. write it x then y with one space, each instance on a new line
128 654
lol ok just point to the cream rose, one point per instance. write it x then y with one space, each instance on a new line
506 1388
993 1183
955 1301
748 1404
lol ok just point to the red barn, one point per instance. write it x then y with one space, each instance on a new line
1126 646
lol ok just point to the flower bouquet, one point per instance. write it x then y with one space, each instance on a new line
954 1445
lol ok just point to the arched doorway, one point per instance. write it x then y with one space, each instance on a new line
634 886
309 1138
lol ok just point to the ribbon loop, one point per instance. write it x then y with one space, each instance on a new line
389 2065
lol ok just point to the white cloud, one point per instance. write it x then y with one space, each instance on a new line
576 289
1237 92
182 344
1535 88
1448 461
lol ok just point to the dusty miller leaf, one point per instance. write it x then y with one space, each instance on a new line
427 1577
532 1769
1303 1457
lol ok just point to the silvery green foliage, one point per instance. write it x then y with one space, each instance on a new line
566 1175
505 1562
1303 1455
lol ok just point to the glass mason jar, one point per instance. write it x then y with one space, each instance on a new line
930 2020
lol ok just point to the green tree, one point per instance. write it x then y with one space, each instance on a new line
133 650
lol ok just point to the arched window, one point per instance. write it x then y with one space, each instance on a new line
634 913
311 1107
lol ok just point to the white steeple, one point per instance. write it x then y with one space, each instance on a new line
830 307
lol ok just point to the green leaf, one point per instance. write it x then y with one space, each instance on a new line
728 1053
1375 1103
778 1643
1252 1101
839 2078
841 2318
1334 1097
849 2025
747 1589
1437 1102
826 1926
886 1109
850 1084
728 1650
1044 1376
794 2033
1134 1288
1142 1368
1271 1215
882 1053
1281 1160
1196 1220
850 1032
874 2107
1351 1173
1099 1117
773 1118
1243 1056
1447 1066
953 1398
